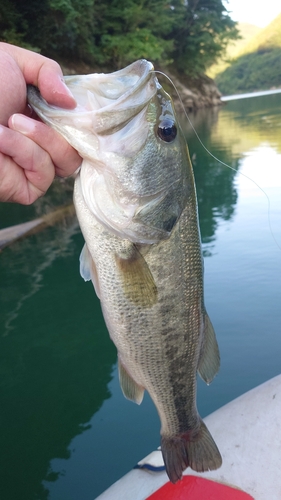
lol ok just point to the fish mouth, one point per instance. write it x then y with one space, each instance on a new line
113 86
106 102
114 99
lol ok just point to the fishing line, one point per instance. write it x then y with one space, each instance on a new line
220 161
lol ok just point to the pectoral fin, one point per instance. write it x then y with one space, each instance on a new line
130 388
209 361
88 269
138 283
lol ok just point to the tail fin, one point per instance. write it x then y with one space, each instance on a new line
199 452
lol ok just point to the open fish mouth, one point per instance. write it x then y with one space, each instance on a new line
106 102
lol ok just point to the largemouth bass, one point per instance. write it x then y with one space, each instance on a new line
136 204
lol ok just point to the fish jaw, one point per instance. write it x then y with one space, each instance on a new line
105 102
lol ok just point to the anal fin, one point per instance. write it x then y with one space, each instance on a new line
209 361
130 388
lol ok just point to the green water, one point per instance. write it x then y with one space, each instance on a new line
67 432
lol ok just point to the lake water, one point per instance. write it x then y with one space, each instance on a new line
66 431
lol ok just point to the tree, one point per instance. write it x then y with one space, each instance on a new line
132 29
185 34
59 28
201 34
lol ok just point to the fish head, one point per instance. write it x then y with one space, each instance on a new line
135 171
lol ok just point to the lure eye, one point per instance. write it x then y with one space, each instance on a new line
167 130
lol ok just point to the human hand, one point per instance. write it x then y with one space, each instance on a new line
31 153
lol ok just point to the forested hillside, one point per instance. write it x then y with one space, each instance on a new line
184 36
235 48
268 38
257 66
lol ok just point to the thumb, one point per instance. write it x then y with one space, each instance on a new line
44 73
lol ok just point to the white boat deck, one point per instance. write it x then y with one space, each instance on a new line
248 434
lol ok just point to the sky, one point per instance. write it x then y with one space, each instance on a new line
255 12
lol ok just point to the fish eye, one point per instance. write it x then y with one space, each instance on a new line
167 130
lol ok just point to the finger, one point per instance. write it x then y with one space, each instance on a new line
26 170
12 88
13 183
65 158
43 73
51 85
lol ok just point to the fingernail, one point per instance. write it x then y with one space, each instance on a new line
64 92
66 89
22 124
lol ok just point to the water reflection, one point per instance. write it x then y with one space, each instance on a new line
230 133
26 276
55 357
216 191
245 124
